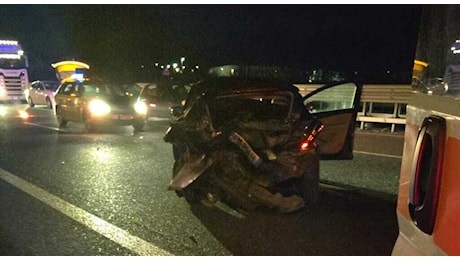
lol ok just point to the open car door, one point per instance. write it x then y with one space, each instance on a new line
336 106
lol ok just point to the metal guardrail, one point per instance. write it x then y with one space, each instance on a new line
381 103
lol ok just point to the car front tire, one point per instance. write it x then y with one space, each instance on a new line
30 102
48 103
89 125
139 124
61 121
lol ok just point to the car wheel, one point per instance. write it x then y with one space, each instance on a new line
309 184
31 103
48 103
191 196
138 124
90 126
61 121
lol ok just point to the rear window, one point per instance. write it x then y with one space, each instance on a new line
251 107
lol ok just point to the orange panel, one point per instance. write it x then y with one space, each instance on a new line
447 228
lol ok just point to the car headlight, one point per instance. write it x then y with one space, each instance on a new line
98 107
140 107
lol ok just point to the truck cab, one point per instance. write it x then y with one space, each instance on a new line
14 78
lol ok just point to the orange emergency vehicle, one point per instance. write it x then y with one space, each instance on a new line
428 205
428 208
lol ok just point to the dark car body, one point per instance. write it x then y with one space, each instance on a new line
97 103
161 97
335 105
279 126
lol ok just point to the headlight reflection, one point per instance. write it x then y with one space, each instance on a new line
102 156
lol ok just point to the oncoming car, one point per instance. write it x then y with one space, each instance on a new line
256 143
161 97
97 103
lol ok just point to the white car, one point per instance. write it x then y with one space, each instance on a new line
41 93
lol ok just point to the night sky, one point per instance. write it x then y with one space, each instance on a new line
117 39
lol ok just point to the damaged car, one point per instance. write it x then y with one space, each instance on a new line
257 144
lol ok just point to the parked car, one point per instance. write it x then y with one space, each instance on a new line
41 93
159 98
255 143
97 103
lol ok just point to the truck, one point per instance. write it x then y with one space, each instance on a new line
428 204
14 78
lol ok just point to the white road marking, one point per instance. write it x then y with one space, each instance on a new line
44 126
379 154
110 231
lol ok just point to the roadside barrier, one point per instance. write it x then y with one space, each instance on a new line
380 103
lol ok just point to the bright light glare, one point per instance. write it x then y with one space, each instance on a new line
2 111
141 108
23 114
103 156
98 107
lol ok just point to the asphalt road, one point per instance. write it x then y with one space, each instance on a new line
73 193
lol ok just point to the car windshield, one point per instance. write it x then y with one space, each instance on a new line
105 89
13 63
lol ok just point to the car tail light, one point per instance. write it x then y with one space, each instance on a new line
310 133
304 146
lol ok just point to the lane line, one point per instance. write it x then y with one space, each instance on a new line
110 231
44 126
379 154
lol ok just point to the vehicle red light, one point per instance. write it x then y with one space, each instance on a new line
304 146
